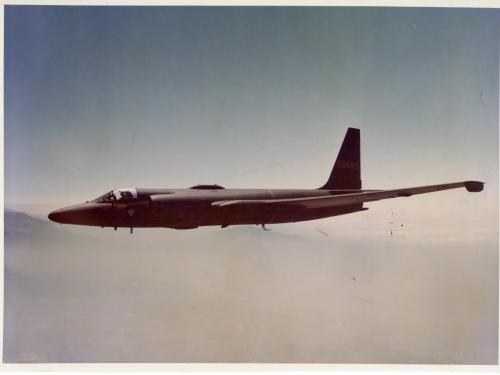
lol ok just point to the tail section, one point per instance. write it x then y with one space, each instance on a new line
346 172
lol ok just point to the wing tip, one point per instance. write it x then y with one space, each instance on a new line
474 186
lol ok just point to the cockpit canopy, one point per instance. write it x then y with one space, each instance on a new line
118 195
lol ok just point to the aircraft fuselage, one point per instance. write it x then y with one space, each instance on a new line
191 208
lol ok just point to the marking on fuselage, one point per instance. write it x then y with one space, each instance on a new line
272 193
274 197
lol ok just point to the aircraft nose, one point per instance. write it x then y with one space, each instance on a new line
60 215
83 214
53 216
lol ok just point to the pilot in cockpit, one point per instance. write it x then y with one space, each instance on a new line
122 195
119 195
125 195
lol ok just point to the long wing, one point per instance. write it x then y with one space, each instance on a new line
347 199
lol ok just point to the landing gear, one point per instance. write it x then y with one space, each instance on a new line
131 230
264 227
115 228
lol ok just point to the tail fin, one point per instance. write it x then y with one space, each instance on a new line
346 172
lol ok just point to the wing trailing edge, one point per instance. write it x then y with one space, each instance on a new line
348 199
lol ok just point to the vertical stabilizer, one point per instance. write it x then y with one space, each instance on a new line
346 172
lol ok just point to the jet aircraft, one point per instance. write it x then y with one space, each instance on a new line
203 205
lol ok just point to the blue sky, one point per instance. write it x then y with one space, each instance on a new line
103 97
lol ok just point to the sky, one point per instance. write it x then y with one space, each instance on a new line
98 98
105 97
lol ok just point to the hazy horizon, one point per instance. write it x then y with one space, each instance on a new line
76 294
